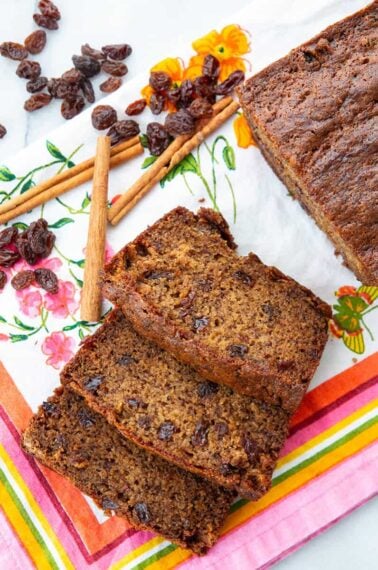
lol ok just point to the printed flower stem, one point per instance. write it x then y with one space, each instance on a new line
367 328
205 183
233 198
187 184
72 211
68 159
23 179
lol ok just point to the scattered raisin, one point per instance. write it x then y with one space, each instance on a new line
158 138
117 51
37 101
3 131
199 438
136 107
8 236
211 67
144 422
204 88
45 22
142 512
87 89
111 84
243 277
27 69
47 280
72 107
87 65
22 280
160 81
103 116
125 360
13 50
91 384
62 89
180 123
35 42
166 431
238 350
49 9
39 237
116 68
85 418
36 85
229 84
25 249
200 108
199 323
187 93
174 95
221 429
250 447
86 49
8 258
3 279
157 102
109 505
123 131
207 389
73 75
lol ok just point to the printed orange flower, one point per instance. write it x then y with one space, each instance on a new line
242 132
174 68
228 46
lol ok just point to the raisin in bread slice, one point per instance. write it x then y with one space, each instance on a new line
122 478
166 407
235 320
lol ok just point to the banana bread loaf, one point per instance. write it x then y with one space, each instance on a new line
235 320
164 406
122 478
314 114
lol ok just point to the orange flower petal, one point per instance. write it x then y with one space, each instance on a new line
194 68
243 133
236 39
207 44
172 66
230 65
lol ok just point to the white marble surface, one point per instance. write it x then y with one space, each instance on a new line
151 28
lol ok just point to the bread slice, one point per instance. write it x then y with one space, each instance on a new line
122 478
235 320
164 406
314 114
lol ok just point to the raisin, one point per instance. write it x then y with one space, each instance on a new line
160 81
123 131
61 89
270 310
35 42
283 365
187 93
136 403
50 409
200 108
157 103
144 422
221 429
136 107
228 469
47 280
211 67
142 512
250 447
103 116
85 418
72 107
199 323
3 279
126 359
309 57
86 49
238 350
45 22
166 431
207 389
91 384
27 69
199 438
204 88
117 51
8 258
87 89
87 65
229 84
37 101
174 95
13 50
8 236
111 84
22 280
158 138
49 9
116 68
109 505
25 249
243 277
180 123
151 274
73 75
36 85
3 131
40 239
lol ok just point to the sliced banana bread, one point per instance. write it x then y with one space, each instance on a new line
235 320
149 492
166 407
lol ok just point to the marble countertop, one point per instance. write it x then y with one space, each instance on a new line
350 544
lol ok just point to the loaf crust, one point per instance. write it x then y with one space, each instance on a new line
314 114
235 320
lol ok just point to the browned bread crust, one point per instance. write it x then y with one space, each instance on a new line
166 407
314 113
149 492
235 320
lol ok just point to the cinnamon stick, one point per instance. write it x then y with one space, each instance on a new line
95 251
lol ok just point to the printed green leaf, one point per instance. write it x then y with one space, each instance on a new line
148 161
81 334
78 281
70 164
22 325
188 164
143 141
6 175
18 337
62 222
229 157
20 226
2 320
86 201
348 312
54 151
171 175
28 184
80 263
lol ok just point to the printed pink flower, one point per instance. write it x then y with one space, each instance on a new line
4 337
30 302
52 263
59 348
62 303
